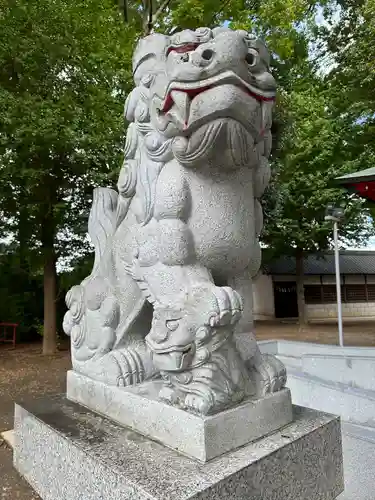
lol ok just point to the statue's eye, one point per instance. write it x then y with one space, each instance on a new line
172 324
252 58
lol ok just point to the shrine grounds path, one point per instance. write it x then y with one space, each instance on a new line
25 373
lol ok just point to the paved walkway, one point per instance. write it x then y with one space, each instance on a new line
358 334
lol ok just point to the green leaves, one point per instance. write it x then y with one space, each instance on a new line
65 67
64 70
312 155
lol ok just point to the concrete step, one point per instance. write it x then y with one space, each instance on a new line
354 405
353 371
299 349
290 361
362 432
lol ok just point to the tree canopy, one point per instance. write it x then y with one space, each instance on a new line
65 68
347 43
328 118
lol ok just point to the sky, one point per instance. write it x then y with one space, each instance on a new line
369 246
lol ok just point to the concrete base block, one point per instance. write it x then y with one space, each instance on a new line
198 437
352 404
68 452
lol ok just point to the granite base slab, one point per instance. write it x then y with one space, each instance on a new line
196 436
67 452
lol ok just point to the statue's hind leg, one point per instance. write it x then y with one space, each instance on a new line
267 372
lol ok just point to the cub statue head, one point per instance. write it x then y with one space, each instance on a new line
191 345
197 89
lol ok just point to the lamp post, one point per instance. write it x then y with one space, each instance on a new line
335 215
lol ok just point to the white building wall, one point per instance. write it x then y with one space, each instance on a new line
349 311
263 296
264 302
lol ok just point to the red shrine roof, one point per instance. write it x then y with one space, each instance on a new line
362 183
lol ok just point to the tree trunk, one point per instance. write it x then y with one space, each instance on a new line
49 330
23 237
24 276
302 317
48 233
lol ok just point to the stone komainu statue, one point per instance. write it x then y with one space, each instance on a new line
176 249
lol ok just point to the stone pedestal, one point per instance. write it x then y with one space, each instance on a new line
68 452
197 436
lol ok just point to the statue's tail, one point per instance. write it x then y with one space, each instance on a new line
102 221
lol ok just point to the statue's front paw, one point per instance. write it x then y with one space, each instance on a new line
169 395
229 306
269 374
121 367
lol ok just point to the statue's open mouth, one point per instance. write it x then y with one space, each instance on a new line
181 94
171 348
172 358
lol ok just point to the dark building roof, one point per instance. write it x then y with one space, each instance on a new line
362 175
351 262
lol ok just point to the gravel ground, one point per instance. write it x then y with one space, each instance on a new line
24 372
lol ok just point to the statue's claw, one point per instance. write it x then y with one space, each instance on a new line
197 404
168 394
269 374
187 401
230 306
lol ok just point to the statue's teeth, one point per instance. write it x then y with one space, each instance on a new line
182 102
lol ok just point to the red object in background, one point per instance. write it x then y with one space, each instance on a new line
365 189
8 332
